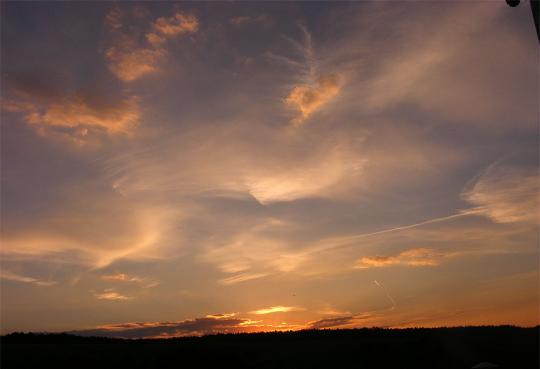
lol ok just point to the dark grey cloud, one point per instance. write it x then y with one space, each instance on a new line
340 321
198 326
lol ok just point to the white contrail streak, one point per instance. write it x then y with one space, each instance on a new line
390 298
346 241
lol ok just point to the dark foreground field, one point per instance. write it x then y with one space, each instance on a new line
507 347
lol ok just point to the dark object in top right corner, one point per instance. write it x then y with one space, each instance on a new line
535 9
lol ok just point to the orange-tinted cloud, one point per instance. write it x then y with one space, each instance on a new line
128 59
412 257
129 65
79 114
168 27
308 99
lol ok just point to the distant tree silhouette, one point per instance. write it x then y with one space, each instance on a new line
415 348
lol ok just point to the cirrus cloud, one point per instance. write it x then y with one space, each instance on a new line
10 276
506 195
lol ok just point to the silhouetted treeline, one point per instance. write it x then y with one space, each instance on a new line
463 347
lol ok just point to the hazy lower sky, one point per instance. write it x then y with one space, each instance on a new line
189 168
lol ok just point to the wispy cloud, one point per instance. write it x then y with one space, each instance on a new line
506 195
243 277
111 294
503 194
277 309
316 88
331 311
419 62
121 277
9 276
239 258
97 237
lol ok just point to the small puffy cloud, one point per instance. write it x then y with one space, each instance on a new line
110 294
378 261
506 195
308 99
178 24
277 309
9 276
128 59
412 257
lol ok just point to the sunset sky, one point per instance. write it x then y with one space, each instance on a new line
188 168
